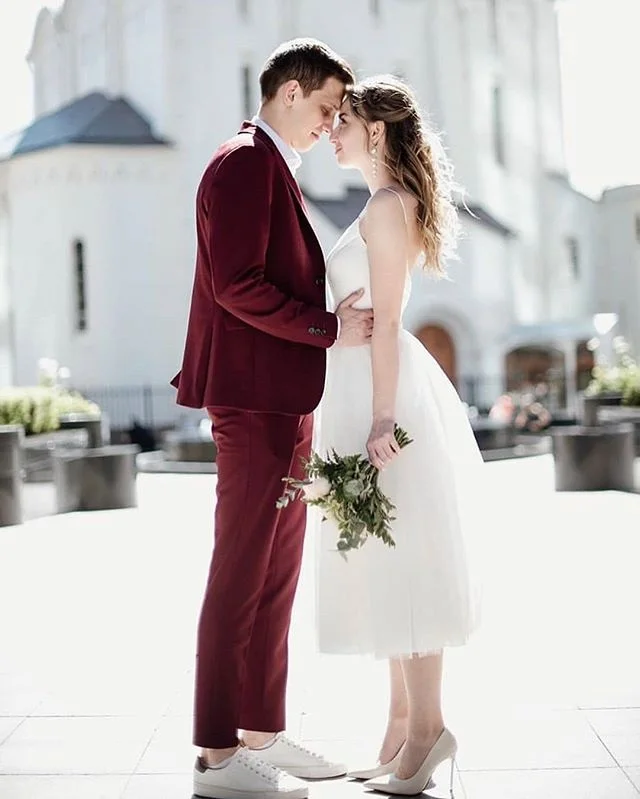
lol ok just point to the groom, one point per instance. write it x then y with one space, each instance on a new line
255 359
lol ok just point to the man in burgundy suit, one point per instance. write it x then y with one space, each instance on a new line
255 359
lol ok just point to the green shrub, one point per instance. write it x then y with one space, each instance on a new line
623 377
38 409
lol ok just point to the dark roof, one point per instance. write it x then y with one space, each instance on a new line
92 119
483 216
342 212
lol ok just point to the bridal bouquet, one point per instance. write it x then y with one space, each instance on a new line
346 488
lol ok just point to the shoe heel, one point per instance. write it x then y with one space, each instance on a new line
453 766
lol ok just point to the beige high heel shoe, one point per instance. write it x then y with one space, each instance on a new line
378 771
445 748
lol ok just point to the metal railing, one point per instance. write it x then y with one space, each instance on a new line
152 406
155 406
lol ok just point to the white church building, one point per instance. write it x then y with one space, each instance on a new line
133 96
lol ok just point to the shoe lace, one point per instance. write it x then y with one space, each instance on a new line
300 748
267 771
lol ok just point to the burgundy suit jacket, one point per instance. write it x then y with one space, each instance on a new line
258 326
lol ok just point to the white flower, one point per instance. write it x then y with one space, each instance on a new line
318 489
620 345
354 488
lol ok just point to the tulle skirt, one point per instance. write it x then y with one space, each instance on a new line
422 595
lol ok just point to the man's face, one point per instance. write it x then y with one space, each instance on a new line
311 116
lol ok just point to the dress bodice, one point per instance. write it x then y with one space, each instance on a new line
348 269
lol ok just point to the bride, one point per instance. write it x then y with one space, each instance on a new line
407 603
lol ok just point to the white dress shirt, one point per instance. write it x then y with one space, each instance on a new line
290 155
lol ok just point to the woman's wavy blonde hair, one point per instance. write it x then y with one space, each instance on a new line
416 159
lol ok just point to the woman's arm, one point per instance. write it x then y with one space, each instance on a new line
386 235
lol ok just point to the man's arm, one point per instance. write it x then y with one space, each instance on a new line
238 238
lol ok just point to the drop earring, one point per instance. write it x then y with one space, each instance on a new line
374 160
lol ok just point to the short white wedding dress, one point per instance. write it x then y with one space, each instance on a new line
421 595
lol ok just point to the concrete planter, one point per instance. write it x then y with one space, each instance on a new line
10 474
38 449
491 434
623 414
94 426
96 479
594 458
591 406
189 446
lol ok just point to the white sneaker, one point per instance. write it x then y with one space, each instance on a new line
289 756
246 776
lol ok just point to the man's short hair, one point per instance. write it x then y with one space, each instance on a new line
308 61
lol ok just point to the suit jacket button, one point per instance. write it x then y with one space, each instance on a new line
319 281
324 332
311 330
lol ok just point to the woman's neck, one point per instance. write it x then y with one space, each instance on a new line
381 180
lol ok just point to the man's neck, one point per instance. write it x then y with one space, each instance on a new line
272 119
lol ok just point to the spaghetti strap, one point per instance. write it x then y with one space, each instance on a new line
404 213
399 196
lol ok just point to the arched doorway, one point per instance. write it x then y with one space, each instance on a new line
538 370
440 344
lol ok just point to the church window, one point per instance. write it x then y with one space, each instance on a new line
574 256
80 285
493 22
497 114
248 105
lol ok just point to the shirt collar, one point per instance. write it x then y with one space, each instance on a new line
290 155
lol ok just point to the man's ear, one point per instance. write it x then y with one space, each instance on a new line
289 91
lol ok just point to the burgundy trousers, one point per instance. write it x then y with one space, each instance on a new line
242 651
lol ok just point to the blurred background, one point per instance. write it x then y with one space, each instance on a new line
110 110
109 113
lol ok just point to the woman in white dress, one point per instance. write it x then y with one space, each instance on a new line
409 602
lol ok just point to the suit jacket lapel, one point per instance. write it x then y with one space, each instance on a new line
286 172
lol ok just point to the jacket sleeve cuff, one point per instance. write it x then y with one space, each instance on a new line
325 332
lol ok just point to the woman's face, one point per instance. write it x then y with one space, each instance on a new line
350 139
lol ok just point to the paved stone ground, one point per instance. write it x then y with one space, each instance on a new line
97 624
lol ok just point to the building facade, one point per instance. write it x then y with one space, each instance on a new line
97 225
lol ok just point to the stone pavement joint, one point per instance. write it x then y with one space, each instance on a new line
98 625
